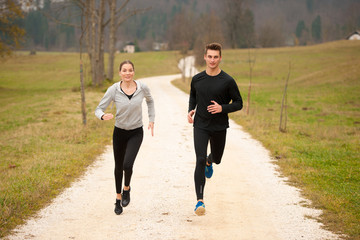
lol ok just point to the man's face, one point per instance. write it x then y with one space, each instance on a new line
212 58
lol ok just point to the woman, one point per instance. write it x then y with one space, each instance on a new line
128 96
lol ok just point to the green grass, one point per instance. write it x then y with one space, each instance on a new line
320 151
43 144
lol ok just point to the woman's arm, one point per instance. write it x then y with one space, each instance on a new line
104 103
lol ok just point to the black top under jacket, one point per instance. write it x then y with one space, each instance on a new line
221 88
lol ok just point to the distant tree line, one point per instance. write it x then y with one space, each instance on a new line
44 33
236 23
305 35
305 22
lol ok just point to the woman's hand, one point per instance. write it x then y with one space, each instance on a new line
151 126
107 116
190 116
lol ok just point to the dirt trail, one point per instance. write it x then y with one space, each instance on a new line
245 199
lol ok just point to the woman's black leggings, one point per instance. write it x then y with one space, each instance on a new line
217 144
126 144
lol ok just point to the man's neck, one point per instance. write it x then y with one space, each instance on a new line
213 72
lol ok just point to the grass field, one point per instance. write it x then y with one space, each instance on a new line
320 150
43 144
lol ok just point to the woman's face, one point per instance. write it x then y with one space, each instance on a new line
127 72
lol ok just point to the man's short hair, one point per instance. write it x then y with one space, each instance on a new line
213 46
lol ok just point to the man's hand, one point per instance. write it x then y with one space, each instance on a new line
190 116
214 108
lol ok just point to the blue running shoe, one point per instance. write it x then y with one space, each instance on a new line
209 171
200 208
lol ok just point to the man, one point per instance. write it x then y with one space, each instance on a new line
214 94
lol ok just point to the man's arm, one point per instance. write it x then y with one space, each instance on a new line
237 103
192 97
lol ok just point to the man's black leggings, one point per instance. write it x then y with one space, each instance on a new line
126 144
217 144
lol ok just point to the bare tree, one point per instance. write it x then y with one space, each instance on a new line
112 38
96 21
117 17
181 34
83 27
209 30
251 67
283 112
93 12
271 36
92 15
82 87
239 22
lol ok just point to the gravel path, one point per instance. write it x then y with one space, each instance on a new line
245 199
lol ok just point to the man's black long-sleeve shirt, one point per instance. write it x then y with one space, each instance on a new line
222 89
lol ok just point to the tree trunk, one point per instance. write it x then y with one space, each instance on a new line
282 126
112 40
82 87
94 16
83 102
100 44
92 42
251 67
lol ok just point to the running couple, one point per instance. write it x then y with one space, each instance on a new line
213 95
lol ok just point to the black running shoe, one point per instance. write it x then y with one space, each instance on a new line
118 208
126 197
